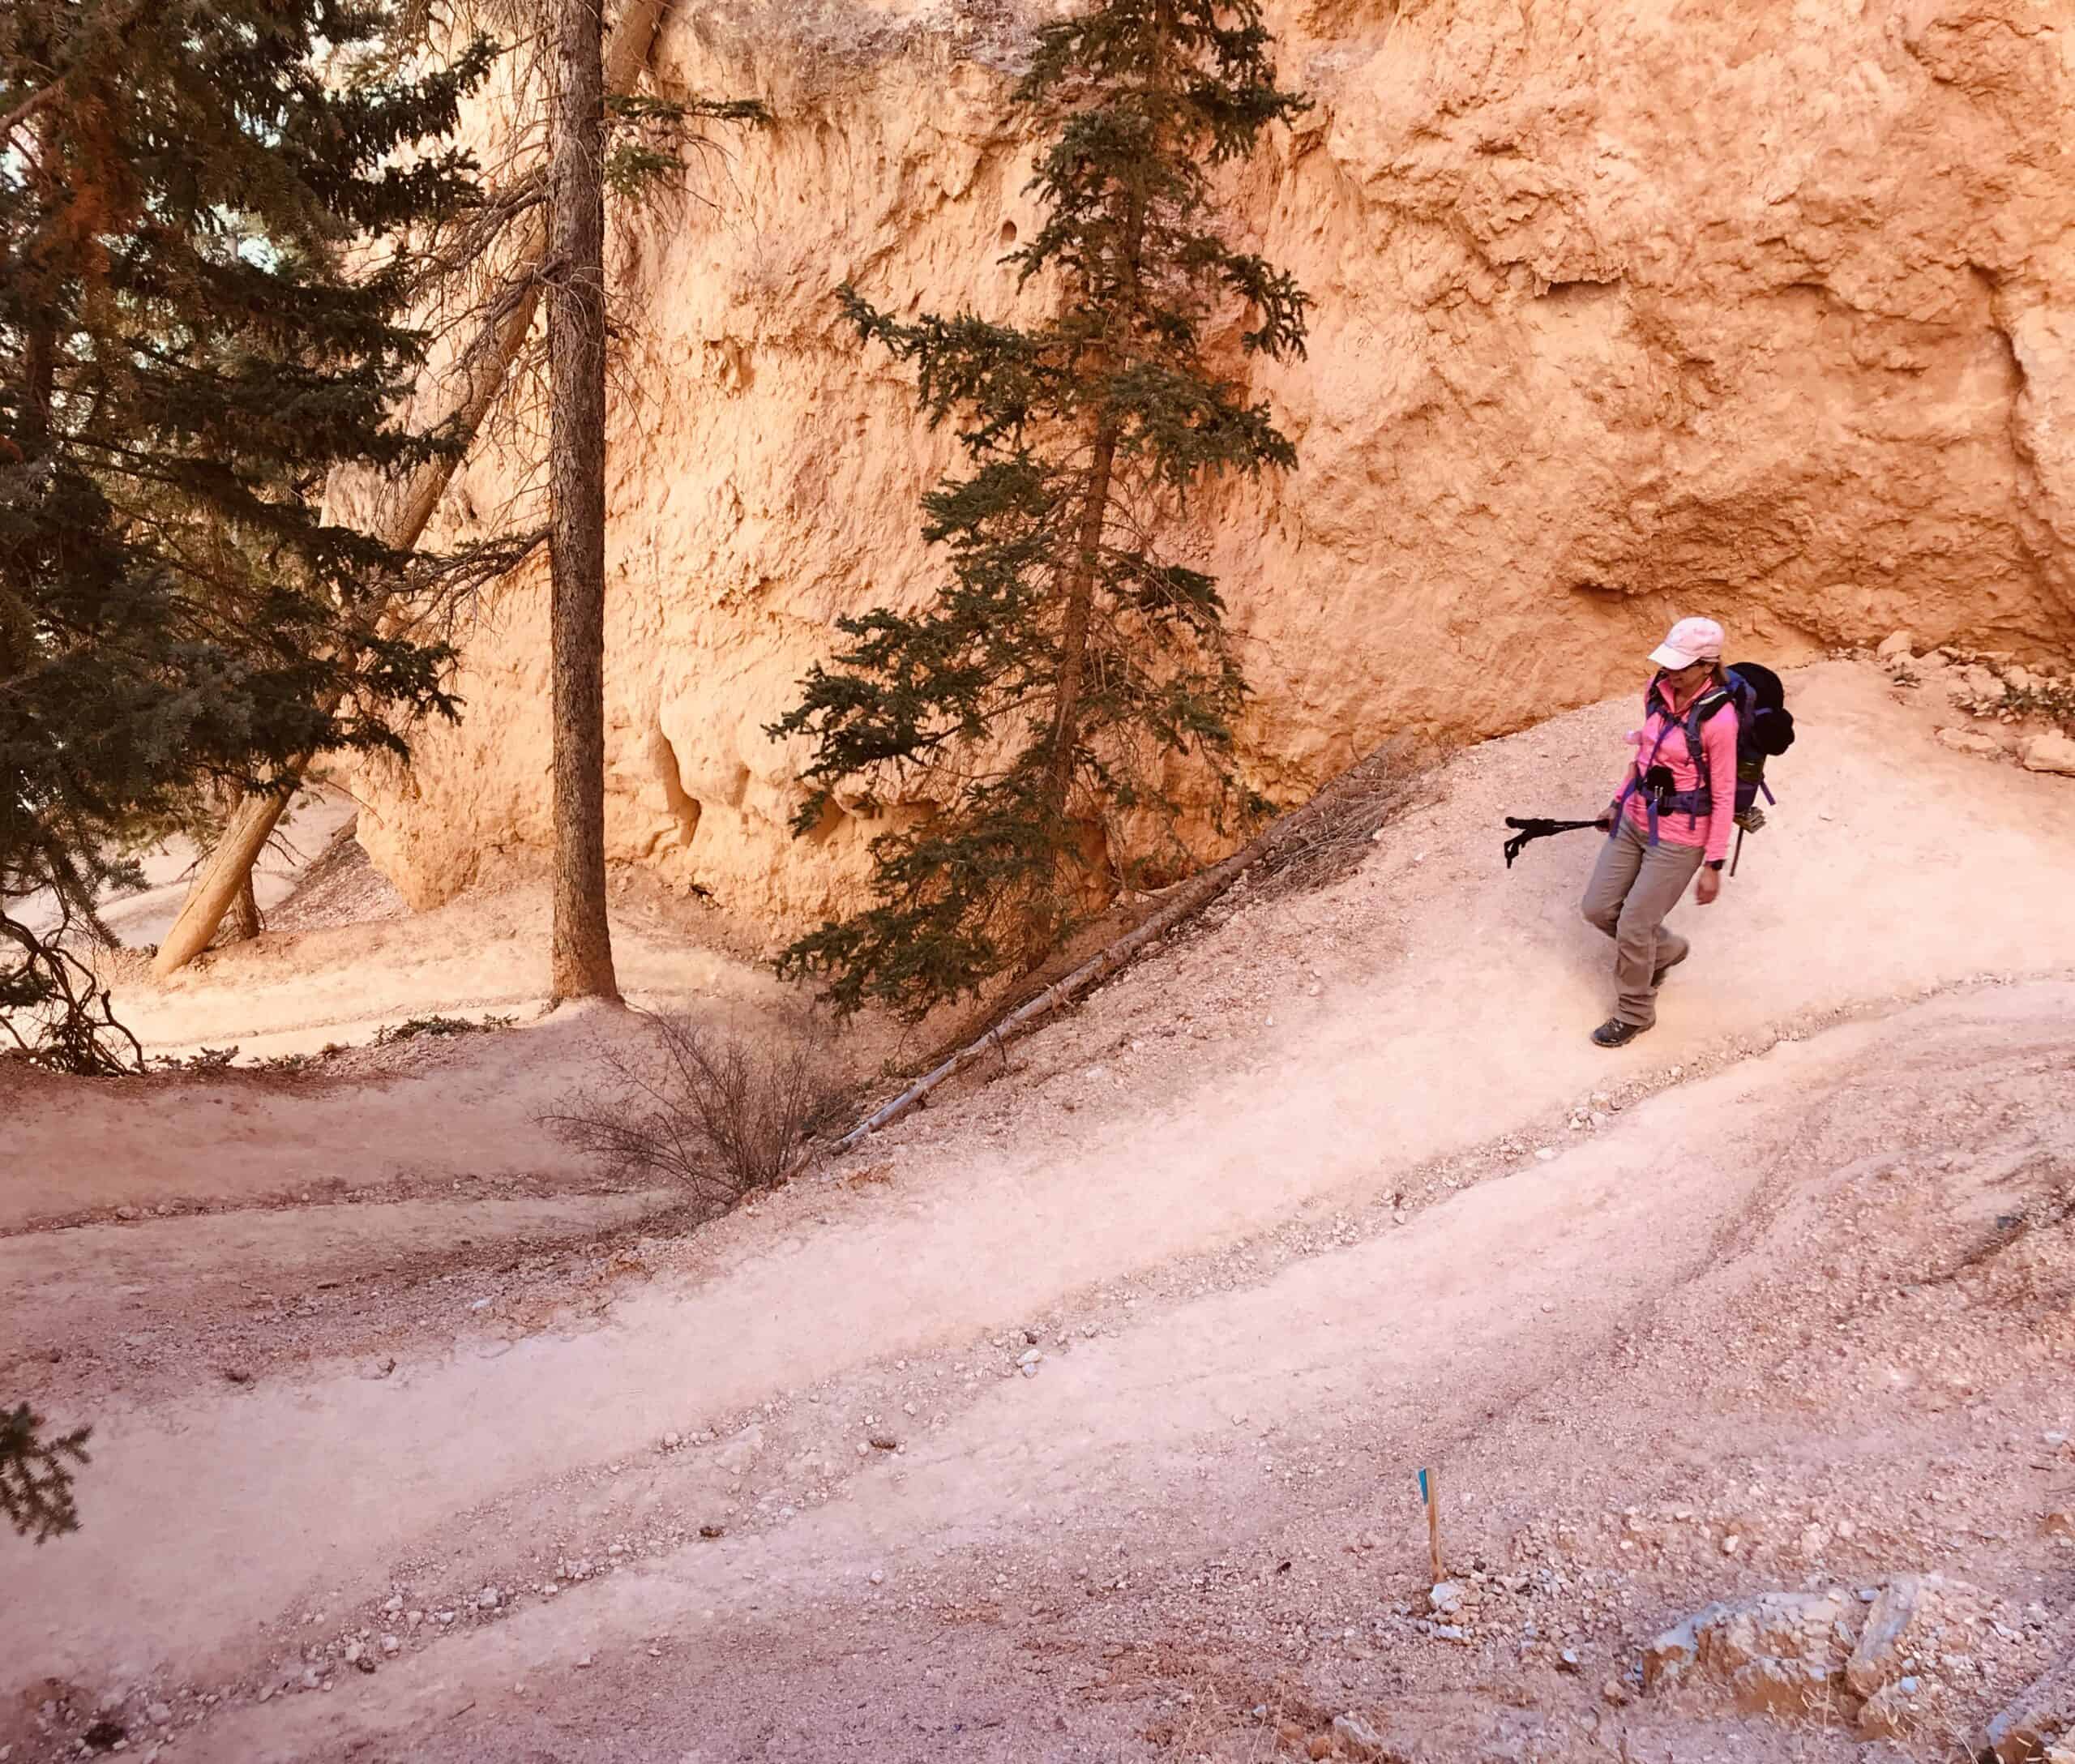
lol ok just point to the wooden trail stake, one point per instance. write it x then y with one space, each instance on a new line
1430 1491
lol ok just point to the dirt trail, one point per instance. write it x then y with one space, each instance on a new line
1273 1212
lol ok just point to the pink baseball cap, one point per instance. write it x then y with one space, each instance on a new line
1690 640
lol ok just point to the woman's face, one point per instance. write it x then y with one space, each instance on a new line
1684 679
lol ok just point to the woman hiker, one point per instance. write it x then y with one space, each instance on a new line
1671 820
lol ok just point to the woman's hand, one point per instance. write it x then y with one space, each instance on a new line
1707 888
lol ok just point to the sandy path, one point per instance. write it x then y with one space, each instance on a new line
1417 1337
452 1117
478 956
126 1307
1896 869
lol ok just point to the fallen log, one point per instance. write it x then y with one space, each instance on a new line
1298 832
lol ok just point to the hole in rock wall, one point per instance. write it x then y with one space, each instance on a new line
1582 290
1007 234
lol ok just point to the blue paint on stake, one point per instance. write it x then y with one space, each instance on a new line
1423 1501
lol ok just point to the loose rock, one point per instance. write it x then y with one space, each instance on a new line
2052 751
1877 1658
1357 1738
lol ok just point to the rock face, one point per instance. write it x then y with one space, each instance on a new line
1622 313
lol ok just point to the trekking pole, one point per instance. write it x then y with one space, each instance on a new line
1736 857
1536 827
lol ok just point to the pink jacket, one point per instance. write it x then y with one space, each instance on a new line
1718 741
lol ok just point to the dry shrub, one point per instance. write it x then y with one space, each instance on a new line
710 1112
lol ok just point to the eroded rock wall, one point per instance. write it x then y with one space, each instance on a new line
1624 310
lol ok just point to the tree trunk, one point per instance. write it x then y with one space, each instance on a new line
1080 584
1073 626
244 914
582 955
240 922
462 398
1063 741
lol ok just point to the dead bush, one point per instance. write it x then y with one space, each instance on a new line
705 1109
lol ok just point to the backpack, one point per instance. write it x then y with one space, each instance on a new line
1765 730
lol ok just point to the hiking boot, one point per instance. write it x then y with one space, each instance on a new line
1614 1033
1656 979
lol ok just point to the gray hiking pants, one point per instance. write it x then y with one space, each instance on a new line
1634 885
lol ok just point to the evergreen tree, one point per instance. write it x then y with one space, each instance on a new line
207 218
1069 673
486 276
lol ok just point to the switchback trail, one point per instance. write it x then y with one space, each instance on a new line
1075 1416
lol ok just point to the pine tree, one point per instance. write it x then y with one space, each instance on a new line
495 263
1069 671
207 216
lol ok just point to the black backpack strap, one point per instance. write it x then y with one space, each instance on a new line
1714 699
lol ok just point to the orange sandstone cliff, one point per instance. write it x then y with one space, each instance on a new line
1625 309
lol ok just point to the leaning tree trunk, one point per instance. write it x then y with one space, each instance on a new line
398 512
582 953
